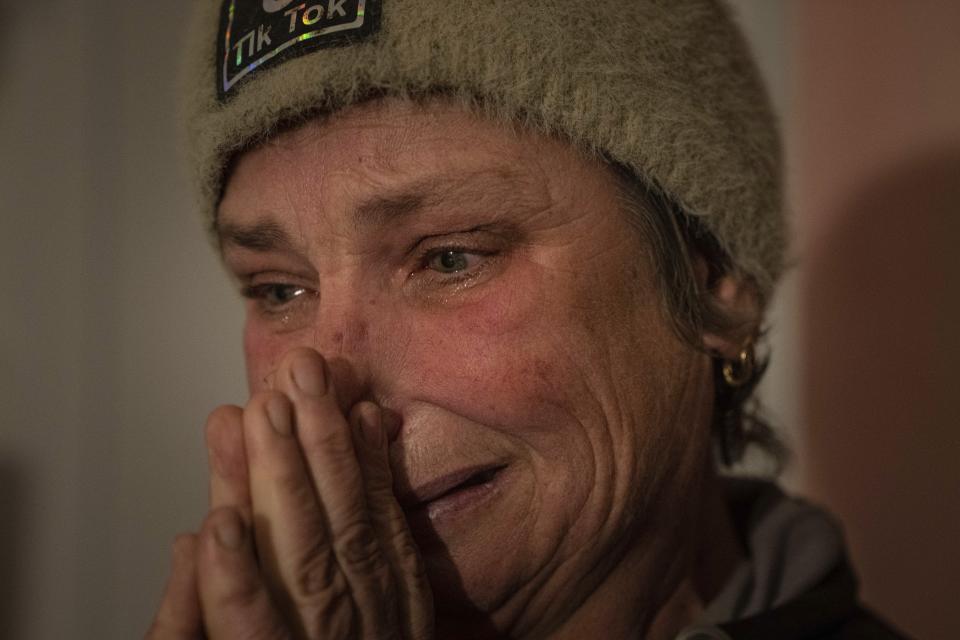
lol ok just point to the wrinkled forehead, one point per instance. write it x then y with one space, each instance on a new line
391 130
400 152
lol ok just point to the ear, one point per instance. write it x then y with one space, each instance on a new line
735 298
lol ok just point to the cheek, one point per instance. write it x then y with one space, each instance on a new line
515 361
262 352
484 352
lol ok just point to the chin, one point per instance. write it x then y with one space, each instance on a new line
466 597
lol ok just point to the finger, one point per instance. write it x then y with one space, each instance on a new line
233 597
289 525
414 599
324 436
178 617
226 453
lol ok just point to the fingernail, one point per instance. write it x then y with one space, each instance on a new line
310 376
370 425
229 532
278 412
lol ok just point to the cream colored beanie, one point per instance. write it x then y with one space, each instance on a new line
665 87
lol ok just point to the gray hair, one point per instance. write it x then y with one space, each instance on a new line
676 240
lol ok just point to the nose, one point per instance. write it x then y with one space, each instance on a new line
341 336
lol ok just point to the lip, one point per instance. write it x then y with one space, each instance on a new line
449 485
450 504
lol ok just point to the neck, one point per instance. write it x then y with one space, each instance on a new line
629 604
717 552
698 574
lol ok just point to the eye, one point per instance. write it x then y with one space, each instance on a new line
455 262
274 296
450 261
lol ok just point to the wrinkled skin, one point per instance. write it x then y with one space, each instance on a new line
478 295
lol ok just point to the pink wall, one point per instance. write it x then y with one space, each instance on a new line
876 153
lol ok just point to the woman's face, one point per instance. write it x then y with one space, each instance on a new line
483 286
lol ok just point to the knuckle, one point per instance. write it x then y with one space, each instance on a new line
336 620
408 555
326 446
324 600
327 440
357 547
408 562
319 579
295 488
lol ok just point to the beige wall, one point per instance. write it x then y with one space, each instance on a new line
876 141
118 332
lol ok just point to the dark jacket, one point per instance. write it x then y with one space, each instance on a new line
796 582
830 611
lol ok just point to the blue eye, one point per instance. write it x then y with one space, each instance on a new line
451 261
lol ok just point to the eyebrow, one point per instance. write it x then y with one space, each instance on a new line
380 210
267 235
260 237
436 190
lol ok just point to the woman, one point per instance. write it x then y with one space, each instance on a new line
505 266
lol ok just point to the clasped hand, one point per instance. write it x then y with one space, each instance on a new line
304 538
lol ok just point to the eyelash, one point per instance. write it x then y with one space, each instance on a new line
261 292
451 278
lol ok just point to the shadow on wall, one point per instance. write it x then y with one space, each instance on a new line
12 485
12 547
7 18
882 304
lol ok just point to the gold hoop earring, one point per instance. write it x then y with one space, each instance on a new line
737 373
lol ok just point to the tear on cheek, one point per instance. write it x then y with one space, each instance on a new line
262 353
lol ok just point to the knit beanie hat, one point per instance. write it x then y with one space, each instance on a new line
666 88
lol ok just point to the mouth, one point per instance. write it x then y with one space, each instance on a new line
452 493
